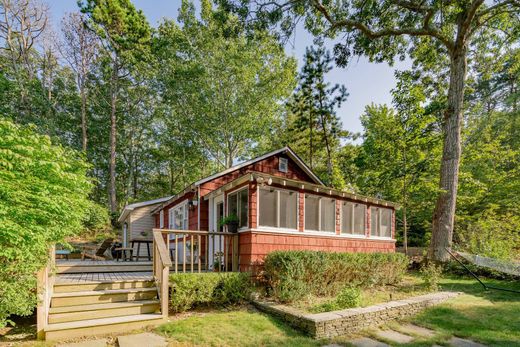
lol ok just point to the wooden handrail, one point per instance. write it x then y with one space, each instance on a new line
45 286
191 232
161 248
192 250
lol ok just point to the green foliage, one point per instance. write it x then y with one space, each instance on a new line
224 85
431 274
292 275
208 289
43 199
97 218
313 127
348 297
491 235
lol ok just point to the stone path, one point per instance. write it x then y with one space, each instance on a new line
140 340
458 342
367 342
407 333
394 336
89 343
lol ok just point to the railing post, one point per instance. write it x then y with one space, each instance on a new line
235 252
164 290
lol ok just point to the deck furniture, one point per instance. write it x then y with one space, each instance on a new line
148 244
124 253
62 253
96 252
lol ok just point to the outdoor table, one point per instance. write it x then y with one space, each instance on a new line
148 242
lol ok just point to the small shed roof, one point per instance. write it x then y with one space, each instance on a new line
129 208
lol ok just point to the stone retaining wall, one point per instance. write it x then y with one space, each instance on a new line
330 324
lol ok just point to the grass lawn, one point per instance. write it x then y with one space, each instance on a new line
490 317
241 327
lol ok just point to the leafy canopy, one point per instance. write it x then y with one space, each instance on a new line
43 198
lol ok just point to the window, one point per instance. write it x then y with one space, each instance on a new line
178 217
312 212
353 218
283 164
360 216
328 215
278 208
380 222
320 213
161 219
238 205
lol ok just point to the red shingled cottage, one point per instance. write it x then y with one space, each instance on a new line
278 204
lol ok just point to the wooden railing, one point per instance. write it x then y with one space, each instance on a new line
198 251
161 270
45 285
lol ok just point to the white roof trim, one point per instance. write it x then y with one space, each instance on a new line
287 150
131 207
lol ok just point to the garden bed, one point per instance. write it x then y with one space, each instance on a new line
336 323
411 285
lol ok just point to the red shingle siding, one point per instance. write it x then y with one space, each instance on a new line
254 246
268 166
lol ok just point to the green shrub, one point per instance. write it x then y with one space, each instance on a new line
43 197
431 275
293 274
208 289
97 218
348 297
490 235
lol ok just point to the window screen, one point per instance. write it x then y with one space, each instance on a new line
347 218
359 219
288 208
374 221
311 212
267 208
386 222
238 206
328 215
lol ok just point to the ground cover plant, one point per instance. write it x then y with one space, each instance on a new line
292 275
190 290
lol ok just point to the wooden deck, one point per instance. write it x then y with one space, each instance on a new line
96 277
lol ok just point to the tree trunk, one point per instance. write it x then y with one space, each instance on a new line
83 119
113 135
444 214
405 203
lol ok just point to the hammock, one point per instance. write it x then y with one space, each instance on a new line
511 268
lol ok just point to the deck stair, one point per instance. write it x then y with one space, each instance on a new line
86 301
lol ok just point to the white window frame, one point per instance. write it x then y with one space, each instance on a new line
320 198
227 205
161 219
278 228
283 163
353 221
186 216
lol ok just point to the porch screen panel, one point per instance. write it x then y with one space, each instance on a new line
328 215
386 222
359 219
312 204
374 221
243 207
288 208
238 206
347 218
267 208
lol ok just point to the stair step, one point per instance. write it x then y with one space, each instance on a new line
92 266
117 309
102 296
68 287
58 331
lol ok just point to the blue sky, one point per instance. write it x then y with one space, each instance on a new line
366 82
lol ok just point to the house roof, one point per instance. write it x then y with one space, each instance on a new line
284 150
129 208
267 179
